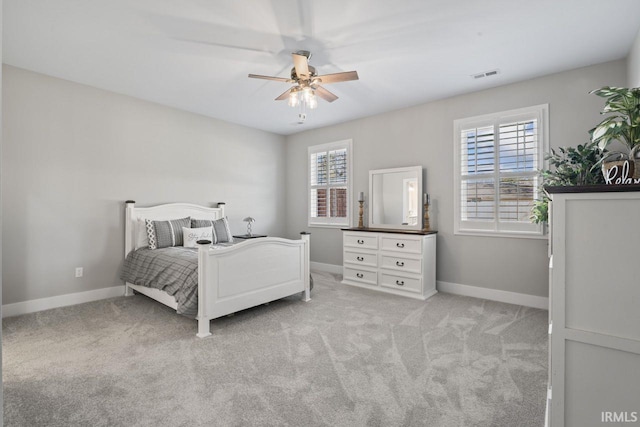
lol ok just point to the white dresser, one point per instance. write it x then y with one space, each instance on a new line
594 307
401 263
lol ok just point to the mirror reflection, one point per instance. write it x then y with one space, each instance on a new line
395 198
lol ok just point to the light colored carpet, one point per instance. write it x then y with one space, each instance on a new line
350 357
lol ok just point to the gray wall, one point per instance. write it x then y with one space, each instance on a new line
73 154
1 215
423 135
633 63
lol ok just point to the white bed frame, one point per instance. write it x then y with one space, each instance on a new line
233 278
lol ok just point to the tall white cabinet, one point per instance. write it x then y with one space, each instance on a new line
594 306
397 262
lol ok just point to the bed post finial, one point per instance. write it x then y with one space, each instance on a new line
221 206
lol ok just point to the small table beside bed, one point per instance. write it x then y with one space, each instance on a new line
218 276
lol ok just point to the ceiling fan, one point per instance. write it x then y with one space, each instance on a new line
307 84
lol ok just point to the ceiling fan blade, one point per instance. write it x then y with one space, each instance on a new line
225 45
301 63
325 94
285 94
277 79
338 77
203 31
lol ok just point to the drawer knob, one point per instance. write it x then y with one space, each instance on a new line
359 275
360 242
400 282
400 263
360 258
400 245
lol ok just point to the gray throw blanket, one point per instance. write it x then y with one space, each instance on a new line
173 270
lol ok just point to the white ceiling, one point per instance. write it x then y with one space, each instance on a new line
195 54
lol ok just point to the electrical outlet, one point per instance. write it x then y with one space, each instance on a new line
79 272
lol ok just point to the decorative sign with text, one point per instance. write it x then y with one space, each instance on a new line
618 174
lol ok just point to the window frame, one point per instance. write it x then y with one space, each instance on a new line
331 222
496 227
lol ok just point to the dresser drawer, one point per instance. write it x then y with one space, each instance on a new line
361 276
361 241
402 264
361 258
401 245
401 283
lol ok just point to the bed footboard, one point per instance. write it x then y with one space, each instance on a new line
249 274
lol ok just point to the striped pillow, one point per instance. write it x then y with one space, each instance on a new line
221 230
163 234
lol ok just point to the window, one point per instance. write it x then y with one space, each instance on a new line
497 158
330 184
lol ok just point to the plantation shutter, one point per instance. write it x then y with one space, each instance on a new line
499 158
478 167
518 169
329 184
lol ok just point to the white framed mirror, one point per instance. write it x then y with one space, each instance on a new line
395 198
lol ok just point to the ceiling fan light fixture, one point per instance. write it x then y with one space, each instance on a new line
312 101
304 95
309 98
294 100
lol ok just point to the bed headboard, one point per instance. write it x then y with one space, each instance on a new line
163 212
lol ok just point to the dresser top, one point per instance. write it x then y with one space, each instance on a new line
391 230
601 188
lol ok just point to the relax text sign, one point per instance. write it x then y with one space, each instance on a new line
619 174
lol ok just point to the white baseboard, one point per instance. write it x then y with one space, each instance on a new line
32 306
466 290
494 295
329 268
40 304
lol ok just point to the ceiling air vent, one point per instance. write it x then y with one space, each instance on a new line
485 74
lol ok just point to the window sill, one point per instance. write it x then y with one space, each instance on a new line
517 235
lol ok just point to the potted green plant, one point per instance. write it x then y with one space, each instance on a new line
570 166
622 105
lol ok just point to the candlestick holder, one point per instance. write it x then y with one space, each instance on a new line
360 214
426 227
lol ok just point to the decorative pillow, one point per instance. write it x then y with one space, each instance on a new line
142 239
192 235
200 223
163 234
151 233
221 230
